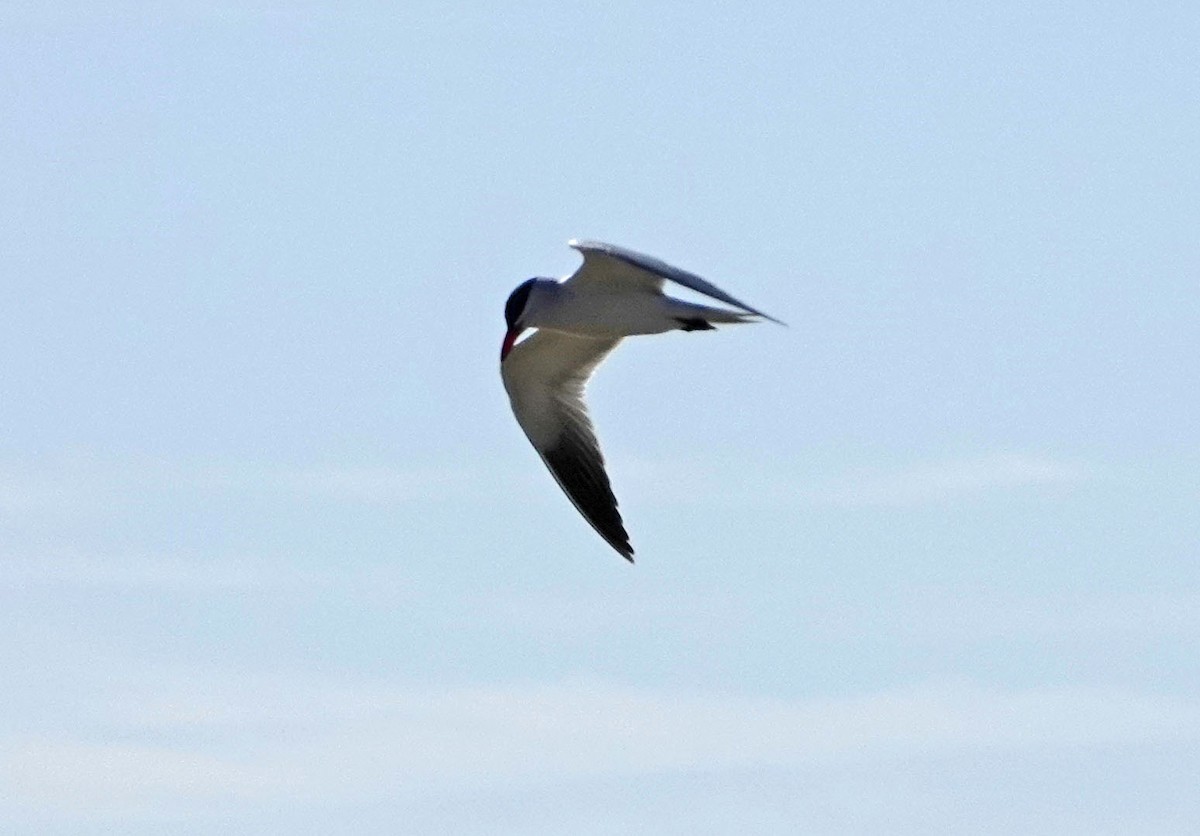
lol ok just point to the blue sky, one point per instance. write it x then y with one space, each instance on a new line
274 555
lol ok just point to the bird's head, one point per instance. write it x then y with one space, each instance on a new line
517 313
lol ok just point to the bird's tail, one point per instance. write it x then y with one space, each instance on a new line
693 317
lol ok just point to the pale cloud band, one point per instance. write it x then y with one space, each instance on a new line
89 486
919 483
341 740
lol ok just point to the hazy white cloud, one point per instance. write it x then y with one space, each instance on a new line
939 617
922 615
356 484
940 481
91 487
159 573
75 12
916 484
199 574
342 740
369 485
23 492
108 777
949 614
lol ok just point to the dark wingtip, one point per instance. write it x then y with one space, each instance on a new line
585 483
622 547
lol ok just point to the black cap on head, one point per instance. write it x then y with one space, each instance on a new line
516 302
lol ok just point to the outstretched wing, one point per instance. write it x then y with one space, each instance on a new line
545 376
610 264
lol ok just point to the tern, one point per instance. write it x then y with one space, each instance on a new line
615 293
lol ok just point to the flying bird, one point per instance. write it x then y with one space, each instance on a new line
615 293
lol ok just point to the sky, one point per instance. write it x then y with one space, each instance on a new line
275 557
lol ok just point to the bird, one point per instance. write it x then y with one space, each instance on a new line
615 293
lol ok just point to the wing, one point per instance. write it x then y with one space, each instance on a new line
609 264
545 376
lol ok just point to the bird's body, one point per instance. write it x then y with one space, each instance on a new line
616 293
604 313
